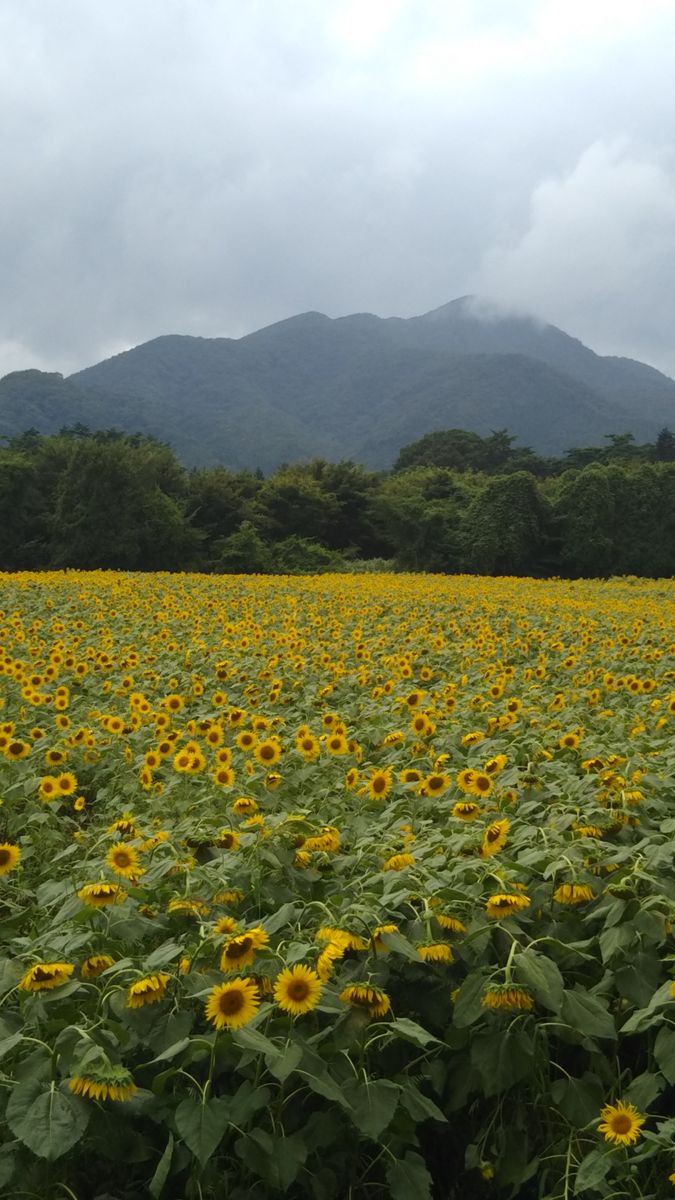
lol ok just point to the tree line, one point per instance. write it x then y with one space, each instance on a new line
454 502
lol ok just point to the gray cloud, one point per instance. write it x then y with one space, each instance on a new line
206 167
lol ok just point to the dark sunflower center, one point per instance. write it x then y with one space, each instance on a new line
122 859
4 857
493 834
239 949
298 990
379 784
267 752
621 1123
230 1003
482 784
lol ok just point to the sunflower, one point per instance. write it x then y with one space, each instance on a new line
398 862
341 937
481 784
370 1000
453 924
465 779
42 977
224 776
573 893
438 952
124 861
225 925
504 996
125 826
309 746
113 1083
505 904
325 963
186 907
148 990
495 837
97 895
228 839
239 951
298 990
436 784
267 753
9 857
95 965
233 1004
245 804
621 1123
378 786
379 946
66 783
466 810
49 787
16 750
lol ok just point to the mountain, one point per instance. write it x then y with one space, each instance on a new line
356 387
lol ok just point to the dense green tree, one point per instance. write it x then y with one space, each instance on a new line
585 516
664 446
244 552
505 527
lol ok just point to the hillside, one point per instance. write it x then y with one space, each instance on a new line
357 387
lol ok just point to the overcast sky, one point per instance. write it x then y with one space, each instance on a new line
211 166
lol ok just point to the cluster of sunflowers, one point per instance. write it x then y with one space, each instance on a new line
295 871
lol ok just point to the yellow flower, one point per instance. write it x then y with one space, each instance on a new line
494 838
399 862
370 1000
149 990
42 977
124 861
115 1083
240 951
9 857
573 893
95 965
505 996
97 895
298 990
233 1004
505 904
621 1124
439 952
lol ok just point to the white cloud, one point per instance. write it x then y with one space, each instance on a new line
598 255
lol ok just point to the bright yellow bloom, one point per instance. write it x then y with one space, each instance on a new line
233 1004
9 857
621 1124
42 977
149 990
298 990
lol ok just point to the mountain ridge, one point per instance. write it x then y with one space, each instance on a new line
357 386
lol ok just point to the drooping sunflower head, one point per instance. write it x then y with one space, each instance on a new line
505 904
367 999
98 895
42 977
95 965
507 998
148 990
495 837
573 893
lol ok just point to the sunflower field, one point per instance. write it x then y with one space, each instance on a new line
336 888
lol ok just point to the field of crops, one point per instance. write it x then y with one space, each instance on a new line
336 888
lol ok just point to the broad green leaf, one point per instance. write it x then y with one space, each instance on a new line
420 1107
503 1057
172 1051
579 1100
202 1125
542 976
46 1118
593 1169
156 1185
162 956
283 916
373 1105
587 1015
253 1039
401 945
408 1178
664 1052
645 1017
7 1166
467 1008
412 1032
282 1064
644 1089
246 1101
